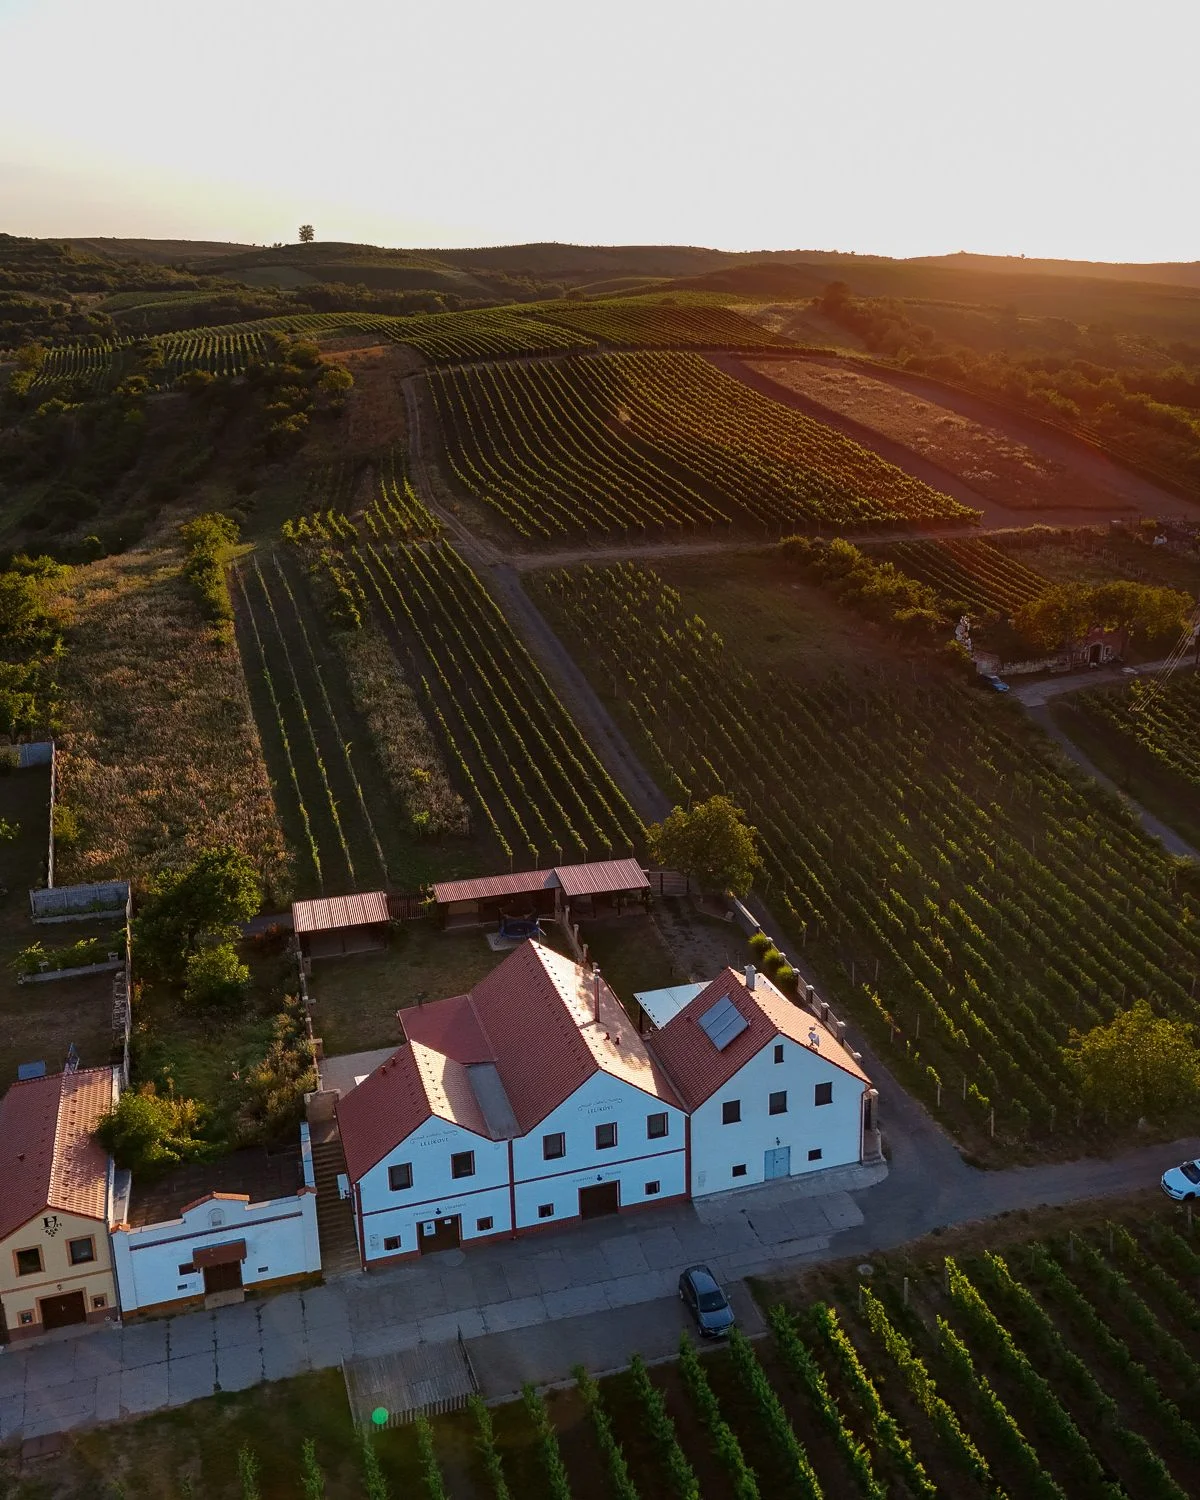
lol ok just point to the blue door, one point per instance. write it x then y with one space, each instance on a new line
777 1162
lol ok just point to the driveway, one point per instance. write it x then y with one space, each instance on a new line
556 1294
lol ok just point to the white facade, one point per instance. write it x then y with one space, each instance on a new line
770 1145
155 1266
646 1167
389 1219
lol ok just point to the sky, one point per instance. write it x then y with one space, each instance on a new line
1066 128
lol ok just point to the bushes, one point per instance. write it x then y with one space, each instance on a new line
208 539
215 976
147 1131
877 589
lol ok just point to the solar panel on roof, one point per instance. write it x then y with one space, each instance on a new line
722 1022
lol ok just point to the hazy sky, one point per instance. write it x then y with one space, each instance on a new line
901 127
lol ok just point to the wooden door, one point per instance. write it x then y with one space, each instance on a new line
603 1198
61 1312
439 1234
223 1278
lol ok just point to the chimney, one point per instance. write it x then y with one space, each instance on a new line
751 976
596 993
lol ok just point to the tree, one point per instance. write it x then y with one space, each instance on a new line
1066 613
147 1131
211 899
1138 1065
215 976
711 842
306 234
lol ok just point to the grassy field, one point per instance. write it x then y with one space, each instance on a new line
1087 555
956 885
159 755
1044 1354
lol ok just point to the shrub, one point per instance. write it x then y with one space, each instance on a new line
786 978
66 826
760 943
215 976
772 960
147 1131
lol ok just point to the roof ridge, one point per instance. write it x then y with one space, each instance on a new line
52 1176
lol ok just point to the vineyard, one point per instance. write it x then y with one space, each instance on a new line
394 507
969 574
654 322
1162 718
661 443
435 647
945 873
1051 1368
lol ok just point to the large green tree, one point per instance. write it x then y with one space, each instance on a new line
1066 613
184 910
1137 1065
711 842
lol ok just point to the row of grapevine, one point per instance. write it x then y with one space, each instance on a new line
1161 717
969 573
949 876
632 321
658 442
392 506
517 756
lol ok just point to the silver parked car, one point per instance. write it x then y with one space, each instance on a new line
701 1294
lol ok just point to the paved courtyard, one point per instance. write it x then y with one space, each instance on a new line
544 1279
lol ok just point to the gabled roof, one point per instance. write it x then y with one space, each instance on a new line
49 1158
526 1035
698 1067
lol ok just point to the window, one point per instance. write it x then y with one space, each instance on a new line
391 1242
777 1104
651 1189
482 1224
545 1210
778 1052
731 1111
462 1164
79 1252
740 1171
606 1136
100 1301
656 1127
29 1262
400 1176
815 1155
187 1270
25 1319
554 1146
824 1094
262 1270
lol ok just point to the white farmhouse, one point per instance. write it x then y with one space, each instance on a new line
534 1100
530 1101
770 1090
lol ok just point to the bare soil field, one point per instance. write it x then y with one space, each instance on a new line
375 410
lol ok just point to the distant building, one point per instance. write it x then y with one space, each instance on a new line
533 1100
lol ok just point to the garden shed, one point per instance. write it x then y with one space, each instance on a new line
605 887
334 925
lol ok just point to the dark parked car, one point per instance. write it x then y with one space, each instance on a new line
707 1303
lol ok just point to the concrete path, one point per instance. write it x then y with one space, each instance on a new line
556 1293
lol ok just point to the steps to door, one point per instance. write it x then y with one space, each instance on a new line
335 1217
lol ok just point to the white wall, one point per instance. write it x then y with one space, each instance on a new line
434 1193
635 1160
833 1129
281 1240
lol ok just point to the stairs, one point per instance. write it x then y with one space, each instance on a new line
335 1218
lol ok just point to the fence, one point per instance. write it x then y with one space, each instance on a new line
669 883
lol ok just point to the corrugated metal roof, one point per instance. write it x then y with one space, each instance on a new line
601 878
575 880
330 912
522 882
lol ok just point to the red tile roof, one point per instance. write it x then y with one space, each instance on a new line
698 1069
599 879
596 879
49 1159
330 912
533 1016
